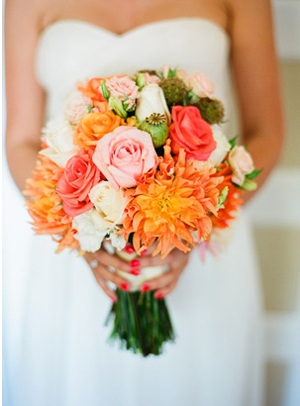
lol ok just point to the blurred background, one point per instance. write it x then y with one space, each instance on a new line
276 220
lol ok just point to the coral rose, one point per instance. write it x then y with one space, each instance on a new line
124 155
93 126
191 132
79 177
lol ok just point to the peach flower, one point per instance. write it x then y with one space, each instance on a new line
124 155
93 126
241 164
77 107
201 85
149 79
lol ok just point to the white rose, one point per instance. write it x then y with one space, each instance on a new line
222 148
109 202
117 241
58 135
152 100
91 230
241 163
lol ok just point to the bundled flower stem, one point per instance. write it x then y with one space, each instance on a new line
141 323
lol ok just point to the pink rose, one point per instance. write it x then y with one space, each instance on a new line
123 89
79 177
241 163
191 132
125 154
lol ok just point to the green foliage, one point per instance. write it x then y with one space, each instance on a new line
253 174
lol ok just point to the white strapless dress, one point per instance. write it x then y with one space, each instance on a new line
55 349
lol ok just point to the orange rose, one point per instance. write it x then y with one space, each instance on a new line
91 89
94 126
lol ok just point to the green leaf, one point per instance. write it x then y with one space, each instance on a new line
172 73
233 142
90 108
140 81
222 198
254 174
117 106
192 98
104 90
249 185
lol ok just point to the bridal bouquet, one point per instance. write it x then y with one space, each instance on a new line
139 162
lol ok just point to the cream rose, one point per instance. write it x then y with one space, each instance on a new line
58 135
222 148
109 202
241 163
152 100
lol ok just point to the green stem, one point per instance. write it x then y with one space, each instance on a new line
141 323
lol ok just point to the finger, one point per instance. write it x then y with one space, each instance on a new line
149 260
159 282
162 293
110 260
109 292
112 277
102 273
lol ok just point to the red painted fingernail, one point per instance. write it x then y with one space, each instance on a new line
129 249
145 288
125 286
113 299
144 252
135 263
135 271
158 295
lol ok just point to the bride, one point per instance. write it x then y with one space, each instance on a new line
55 349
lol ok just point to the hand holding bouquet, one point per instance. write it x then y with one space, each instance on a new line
141 163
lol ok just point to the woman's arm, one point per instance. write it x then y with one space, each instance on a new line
256 77
24 96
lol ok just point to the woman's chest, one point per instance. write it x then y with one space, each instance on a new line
119 16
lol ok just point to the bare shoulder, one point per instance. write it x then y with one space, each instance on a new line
250 18
32 14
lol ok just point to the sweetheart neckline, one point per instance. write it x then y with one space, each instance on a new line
136 29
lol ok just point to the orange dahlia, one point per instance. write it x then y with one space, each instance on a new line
45 206
233 201
169 207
